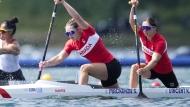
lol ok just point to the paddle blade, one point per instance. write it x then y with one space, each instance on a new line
142 95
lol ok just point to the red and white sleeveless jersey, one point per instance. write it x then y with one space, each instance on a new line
89 46
157 44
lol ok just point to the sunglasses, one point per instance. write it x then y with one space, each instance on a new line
147 27
4 30
72 32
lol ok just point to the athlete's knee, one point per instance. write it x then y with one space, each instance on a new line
134 68
84 68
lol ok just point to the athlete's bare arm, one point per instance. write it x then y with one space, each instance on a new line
12 48
74 14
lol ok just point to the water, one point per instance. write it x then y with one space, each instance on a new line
69 74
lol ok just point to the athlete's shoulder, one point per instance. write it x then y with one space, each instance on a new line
160 36
14 41
89 30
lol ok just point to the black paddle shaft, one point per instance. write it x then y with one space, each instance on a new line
141 94
48 37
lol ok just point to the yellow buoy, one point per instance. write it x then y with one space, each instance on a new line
46 77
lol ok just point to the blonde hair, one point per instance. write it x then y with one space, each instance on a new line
73 23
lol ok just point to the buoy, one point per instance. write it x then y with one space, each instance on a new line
46 77
155 84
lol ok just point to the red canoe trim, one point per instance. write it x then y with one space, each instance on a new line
4 93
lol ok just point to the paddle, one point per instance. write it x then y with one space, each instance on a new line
141 94
48 38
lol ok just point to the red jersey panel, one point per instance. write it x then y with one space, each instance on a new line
90 46
158 45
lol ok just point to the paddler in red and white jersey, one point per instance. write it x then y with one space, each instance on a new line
154 46
84 40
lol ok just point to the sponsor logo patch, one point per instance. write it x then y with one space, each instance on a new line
178 90
35 89
121 91
59 90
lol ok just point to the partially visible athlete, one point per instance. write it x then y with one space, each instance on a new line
85 40
9 52
154 46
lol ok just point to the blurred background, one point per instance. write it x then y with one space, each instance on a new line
108 17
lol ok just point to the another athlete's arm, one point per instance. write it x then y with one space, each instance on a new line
12 48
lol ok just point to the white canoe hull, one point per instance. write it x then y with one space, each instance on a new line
44 88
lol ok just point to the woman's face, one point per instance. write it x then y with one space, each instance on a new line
148 29
72 33
4 32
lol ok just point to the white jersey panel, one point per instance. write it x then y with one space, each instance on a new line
92 40
9 62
